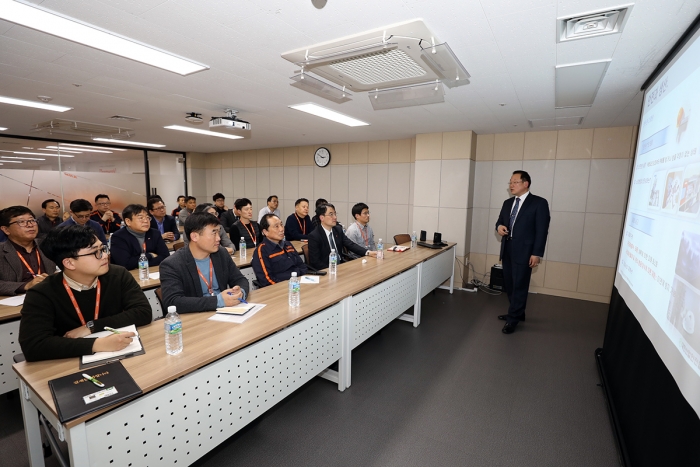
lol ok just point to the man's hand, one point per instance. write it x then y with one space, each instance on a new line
373 254
113 343
169 236
230 250
232 296
77 333
108 216
534 261
502 230
37 279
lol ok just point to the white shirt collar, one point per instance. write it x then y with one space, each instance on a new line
523 196
75 285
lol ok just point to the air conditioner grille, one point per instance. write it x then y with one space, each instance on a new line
379 67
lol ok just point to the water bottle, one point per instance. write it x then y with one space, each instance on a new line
173 332
380 249
413 239
294 290
143 267
333 263
241 247
177 221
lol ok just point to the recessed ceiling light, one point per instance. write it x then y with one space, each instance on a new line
201 132
317 110
54 150
13 162
39 154
23 158
68 28
135 143
58 148
91 147
2 128
36 105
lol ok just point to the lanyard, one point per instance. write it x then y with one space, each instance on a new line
144 248
365 237
252 234
302 228
211 277
75 304
38 258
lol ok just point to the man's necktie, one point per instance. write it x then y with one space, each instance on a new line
330 239
513 213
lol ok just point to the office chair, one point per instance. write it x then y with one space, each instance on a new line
402 238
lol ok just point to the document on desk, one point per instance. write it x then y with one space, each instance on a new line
227 317
135 348
17 300
154 275
310 280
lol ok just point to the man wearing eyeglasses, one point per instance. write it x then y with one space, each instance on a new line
88 295
138 237
22 264
103 214
523 225
360 232
162 222
80 212
275 259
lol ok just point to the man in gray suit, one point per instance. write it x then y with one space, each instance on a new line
201 276
22 264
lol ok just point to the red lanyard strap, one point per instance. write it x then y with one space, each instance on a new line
75 304
38 259
252 234
211 277
365 237
303 228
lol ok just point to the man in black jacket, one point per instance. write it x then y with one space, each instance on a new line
163 223
329 235
201 276
274 259
138 237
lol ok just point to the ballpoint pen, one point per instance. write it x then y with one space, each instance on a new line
112 330
93 380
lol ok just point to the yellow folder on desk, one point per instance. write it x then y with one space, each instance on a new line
236 310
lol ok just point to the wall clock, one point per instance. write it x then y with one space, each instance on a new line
322 157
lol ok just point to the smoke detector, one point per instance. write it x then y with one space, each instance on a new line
591 24
193 117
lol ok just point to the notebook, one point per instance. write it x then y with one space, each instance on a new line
98 358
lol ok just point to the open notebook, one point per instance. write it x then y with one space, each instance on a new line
135 348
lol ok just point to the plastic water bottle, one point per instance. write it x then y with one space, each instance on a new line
241 247
143 267
380 249
294 290
333 263
173 332
413 239
177 221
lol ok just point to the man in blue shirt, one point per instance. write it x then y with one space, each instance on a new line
163 223
274 259
80 211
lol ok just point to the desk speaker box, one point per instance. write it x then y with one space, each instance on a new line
437 238
496 277
423 234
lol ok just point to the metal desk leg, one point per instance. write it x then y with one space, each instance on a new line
32 430
452 277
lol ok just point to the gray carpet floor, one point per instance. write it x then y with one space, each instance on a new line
453 392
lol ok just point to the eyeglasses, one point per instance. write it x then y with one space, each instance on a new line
364 213
99 253
24 222
330 214
158 208
81 216
515 183
143 218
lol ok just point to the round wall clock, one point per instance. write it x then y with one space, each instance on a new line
322 157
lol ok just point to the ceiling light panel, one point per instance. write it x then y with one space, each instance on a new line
328 114
134 143
67 28
577 84
26 103
201 132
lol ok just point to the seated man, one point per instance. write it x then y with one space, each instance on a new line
225 239
22 264
319 202
274 260
80 215
299 226
246 227
220 204
359 231
201 276
103 215
162 222
51 217
271 208
190 204
329 235
180 206
65 306
138 237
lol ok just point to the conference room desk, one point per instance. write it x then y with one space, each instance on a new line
229 374
9 345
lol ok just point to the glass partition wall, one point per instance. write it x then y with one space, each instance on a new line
33 170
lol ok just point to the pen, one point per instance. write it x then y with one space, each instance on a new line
107 328
93 380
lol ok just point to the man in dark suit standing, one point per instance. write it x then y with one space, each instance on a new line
523 225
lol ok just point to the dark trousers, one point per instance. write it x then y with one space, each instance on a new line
516 280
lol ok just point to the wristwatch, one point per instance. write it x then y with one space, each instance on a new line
91 326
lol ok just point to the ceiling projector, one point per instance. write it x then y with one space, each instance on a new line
229 122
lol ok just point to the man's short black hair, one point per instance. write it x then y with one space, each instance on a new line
203 207
181 196
101 195
265 221
296 203
524 176
46 203
269 198
241 203
66 242
320 201
198 221
152 202
357 209
189 198
133 210
321 210
7 214
80 205
219 196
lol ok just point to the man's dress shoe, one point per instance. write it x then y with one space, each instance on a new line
505 317
508 328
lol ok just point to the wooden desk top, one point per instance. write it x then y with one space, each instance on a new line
8 313
150 283
171 245
206 341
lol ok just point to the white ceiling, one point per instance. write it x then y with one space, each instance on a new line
508 46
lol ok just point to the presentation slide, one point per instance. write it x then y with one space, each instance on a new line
658 271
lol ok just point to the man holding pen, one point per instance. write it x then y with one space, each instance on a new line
201 276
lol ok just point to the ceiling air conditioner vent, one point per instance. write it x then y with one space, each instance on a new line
598 23
124 117
379 67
